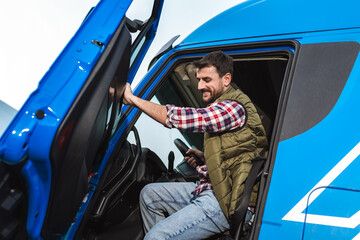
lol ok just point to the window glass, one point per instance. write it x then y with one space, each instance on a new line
137 50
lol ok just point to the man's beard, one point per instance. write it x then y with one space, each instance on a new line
211 97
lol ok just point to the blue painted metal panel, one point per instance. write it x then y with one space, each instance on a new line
311 166
260 18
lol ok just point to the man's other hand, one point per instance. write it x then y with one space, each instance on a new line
192 161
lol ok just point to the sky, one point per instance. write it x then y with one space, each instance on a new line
33 34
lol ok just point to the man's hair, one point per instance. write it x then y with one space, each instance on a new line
221 61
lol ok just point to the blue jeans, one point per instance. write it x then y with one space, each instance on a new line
169 212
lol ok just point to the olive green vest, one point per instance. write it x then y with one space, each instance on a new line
228 154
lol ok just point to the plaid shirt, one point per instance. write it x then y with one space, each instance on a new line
217 117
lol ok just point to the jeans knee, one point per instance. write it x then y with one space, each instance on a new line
151 235
146 192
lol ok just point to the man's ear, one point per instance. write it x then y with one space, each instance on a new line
227 79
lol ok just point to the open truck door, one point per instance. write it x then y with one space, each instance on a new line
62 132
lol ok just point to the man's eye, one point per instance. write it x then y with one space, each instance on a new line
204 79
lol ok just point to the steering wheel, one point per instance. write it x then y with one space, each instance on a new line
183 148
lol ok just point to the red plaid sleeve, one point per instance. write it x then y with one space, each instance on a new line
217 117
204 180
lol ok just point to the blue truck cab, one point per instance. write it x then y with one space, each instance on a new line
73 160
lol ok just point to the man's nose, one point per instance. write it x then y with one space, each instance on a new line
200 85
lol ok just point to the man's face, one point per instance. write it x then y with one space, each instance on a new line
211 84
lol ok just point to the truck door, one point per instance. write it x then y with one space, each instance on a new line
63 130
